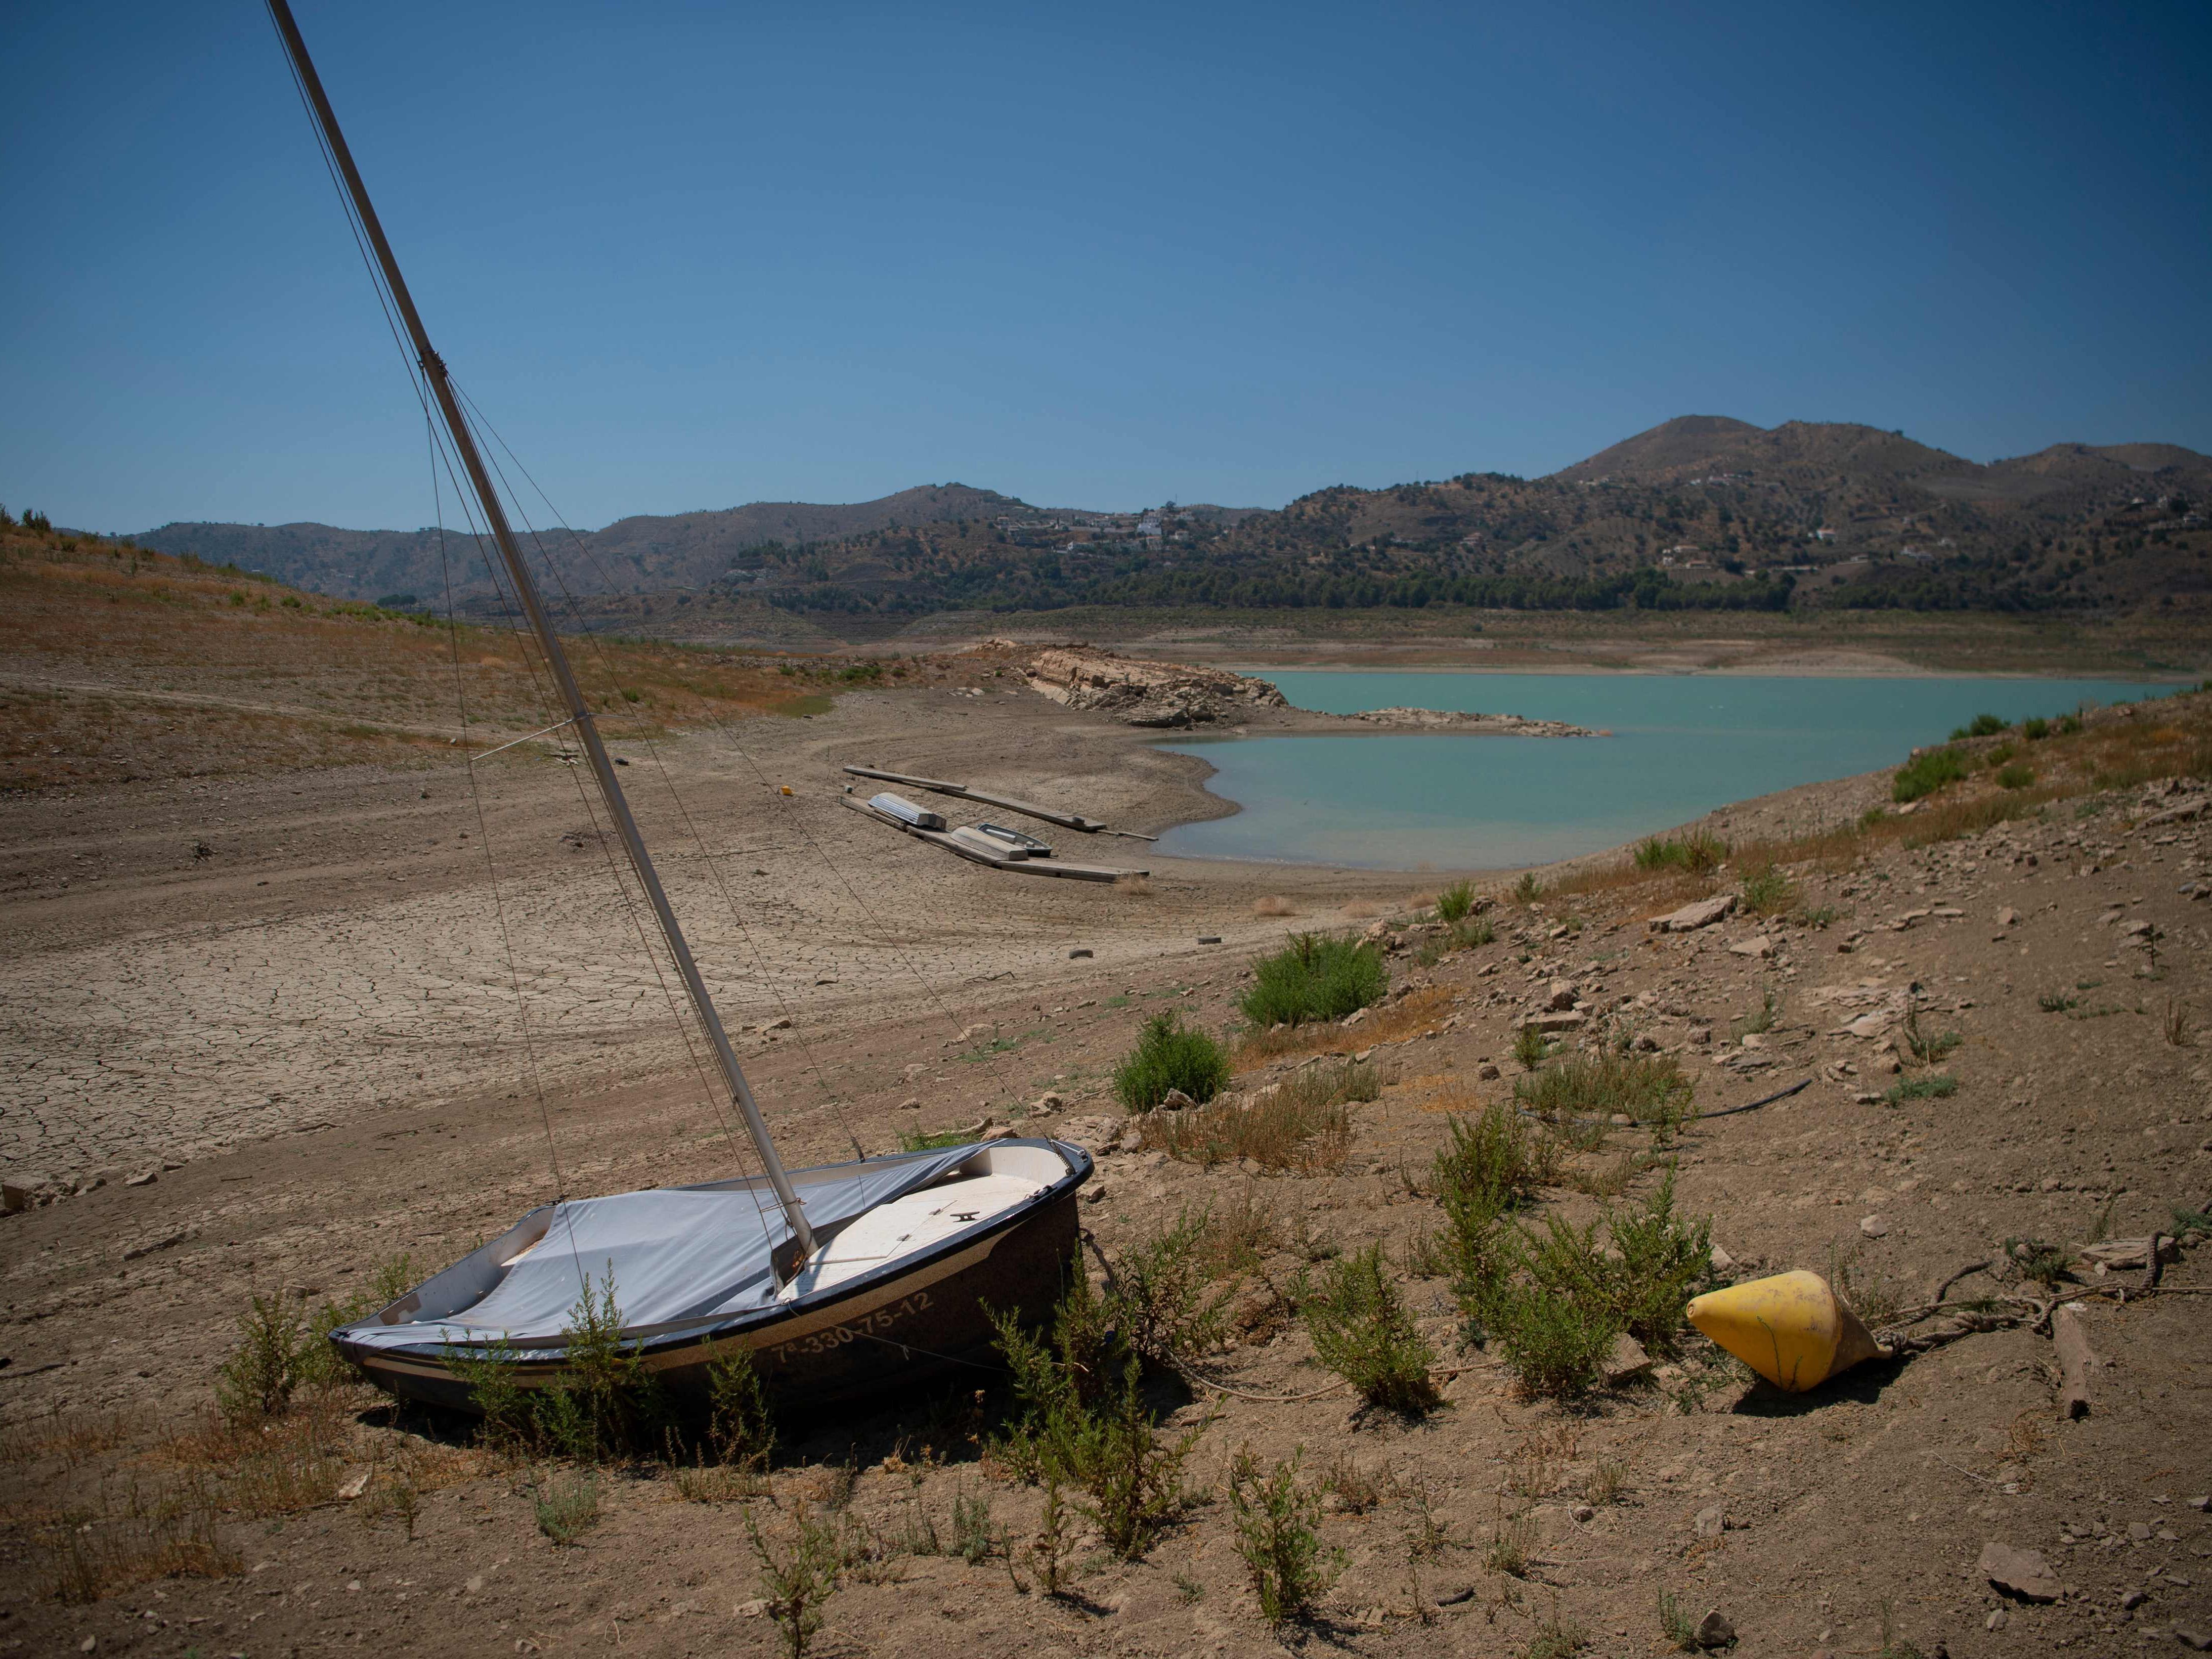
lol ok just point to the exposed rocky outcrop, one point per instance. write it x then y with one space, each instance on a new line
1146 693
1440 719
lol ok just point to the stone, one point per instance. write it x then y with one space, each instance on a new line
1722 1259
2196 1637
15 1199
1078 954
911 1103
1050 1100
1582 1512
1175 1100
1714 1630
1759 944
1487 1071
2133 1600
1004 1132
144 1178
353 1485
2129 1252
1627 1359
784 1024
2203 1501
752 1610
2008 917
1564 992
1998 1619
1551 1022
1702 914
2140 1531
1710 1522
1701 1034
2018 1572
1874 1226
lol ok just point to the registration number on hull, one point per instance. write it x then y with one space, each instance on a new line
836 1336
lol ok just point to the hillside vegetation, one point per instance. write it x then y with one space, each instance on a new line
1702 513
119 663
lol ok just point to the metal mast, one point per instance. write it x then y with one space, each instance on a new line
534 608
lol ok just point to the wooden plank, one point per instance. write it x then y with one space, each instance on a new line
1028 809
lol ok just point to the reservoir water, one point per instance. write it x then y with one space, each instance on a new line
1681 745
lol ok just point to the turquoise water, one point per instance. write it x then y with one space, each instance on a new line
1681 745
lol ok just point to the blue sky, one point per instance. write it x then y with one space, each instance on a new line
691 255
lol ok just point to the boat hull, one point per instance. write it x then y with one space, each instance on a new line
923 1325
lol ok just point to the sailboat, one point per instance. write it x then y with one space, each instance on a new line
841 1281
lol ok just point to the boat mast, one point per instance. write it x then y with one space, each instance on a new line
533 610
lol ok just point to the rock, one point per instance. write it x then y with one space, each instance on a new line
353 1485
1548 1023
14 1199
1627 1359
1646 1044
1722 1259
1582 1512
1759 944
2133 1600
1487 1071
1563 994
968 1033
1050 1100
1145 693
752 1610
2139 1531
1353 1018
1207 938
2008 917
2203 1501
2196 1637
1701 1035
2129 1252
1874 1226
911 1103
1710 1522
1004 1132
144 1178
1998 1619
1753 1040
1621 1121
2018 1572
1702 914
1457 1594
1078 954
1175 1100
1714 1630
782 1024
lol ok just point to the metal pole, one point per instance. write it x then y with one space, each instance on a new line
533 610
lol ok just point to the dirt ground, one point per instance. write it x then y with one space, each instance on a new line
307 1036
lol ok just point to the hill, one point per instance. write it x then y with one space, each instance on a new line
1701 512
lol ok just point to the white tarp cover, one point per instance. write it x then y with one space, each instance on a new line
675 1254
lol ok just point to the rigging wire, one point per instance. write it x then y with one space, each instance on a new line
871 923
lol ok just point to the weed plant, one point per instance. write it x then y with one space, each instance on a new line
798 1577
1315 976
1457 903
1276 1516
1697 853
1362 1331
1936 1085
1679 1629
1531 1048
1168 1055
270 1363
1926 1047
1767 891
1302 1126
1924 774
567 1506
740 1427
2016 775
1165 1299
1649 1087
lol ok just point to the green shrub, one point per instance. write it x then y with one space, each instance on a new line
568 1505
1314 976
1169 1056
1555 1346
1661 1261
1455 902
2018 775
270 1363
1276 1516
1083 1421
798 1579
1531 1048
1362 1331
1983 726
1767 891
2069 724
2035 730
1166 1300
1924 774
1496 1159
1529 889
1698 852
740 1428
930 1140
1940 1085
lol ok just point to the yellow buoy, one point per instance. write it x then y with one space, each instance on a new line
1792 1329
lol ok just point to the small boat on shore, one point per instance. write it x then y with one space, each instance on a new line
1029 846
845 1281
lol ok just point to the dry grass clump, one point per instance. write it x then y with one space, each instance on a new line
1649 1087
1300 1125
1410 1016
1274 904
135 1530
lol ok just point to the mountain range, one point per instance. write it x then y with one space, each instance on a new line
1701 511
